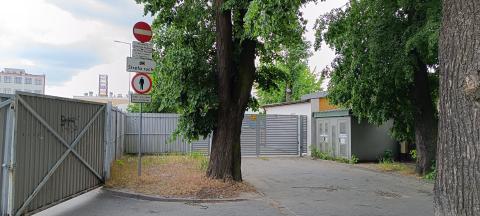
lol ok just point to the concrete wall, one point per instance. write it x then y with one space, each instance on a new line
304 108
369 142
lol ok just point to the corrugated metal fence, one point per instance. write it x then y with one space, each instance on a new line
157 135
59 148
262 135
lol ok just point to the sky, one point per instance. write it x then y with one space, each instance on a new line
72 41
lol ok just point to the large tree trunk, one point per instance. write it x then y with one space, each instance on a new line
457 188
235 80
425 123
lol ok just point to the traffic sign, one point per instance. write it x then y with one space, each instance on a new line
141 83
142 32
142 50
140 98
140 65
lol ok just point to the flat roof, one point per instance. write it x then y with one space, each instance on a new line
286 103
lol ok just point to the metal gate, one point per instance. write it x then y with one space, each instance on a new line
273 135
58 152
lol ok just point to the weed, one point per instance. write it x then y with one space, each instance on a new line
387 157
431 175
327 156
413 154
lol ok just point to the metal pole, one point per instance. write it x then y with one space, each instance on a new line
140 143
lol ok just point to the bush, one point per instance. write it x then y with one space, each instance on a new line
413 154
387 157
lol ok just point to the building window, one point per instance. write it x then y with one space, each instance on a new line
18 80
7 91
7 79
28 80
38 82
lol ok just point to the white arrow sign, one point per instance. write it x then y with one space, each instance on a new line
140 65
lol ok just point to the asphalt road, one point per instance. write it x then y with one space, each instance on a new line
291 186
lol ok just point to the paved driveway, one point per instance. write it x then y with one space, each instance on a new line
291 186
312 187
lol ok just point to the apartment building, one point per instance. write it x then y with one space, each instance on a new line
12 79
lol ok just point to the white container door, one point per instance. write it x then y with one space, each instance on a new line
322 135
343 137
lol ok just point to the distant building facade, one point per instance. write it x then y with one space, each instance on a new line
12 80
103 85
120 101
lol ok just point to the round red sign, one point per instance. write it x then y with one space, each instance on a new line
142 32
141 83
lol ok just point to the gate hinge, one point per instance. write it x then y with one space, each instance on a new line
10 167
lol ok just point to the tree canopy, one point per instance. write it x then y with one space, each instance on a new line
377 43
295 77
184 38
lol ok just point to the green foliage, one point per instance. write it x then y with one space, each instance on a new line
433 174
184 40
387 157
378 44
413 154
317 154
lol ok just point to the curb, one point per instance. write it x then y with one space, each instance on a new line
167 199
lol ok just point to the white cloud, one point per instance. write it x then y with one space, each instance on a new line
57 23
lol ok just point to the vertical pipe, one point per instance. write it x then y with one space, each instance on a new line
140 143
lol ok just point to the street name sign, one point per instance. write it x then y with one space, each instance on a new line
141 83
142 50
140 98
140 65
142 32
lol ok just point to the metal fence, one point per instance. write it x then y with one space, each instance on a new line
54 149
262 135
157 135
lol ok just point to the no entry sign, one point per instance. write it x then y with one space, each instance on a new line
141 83
142 32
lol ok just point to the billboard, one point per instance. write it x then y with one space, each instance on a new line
103 85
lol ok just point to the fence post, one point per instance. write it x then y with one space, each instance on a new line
8 162
299 138
107 131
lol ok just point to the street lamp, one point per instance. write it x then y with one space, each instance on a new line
129 74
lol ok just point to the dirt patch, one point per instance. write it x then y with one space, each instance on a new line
179 176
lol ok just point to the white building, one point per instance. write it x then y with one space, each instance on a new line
12 80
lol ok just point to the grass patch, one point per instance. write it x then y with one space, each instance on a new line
317 154
172 175
407 169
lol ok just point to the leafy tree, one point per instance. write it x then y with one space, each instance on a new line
300 82
206 64
295 77
457 187
386 66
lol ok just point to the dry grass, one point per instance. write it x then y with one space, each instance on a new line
181 176
407 169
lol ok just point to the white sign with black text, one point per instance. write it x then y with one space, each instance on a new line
142 50
140 65
140 98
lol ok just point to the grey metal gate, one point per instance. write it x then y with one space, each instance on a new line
59 150
273 135
6 130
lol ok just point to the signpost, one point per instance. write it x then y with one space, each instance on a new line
142 63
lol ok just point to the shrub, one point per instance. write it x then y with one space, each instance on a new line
431 175
413 154
387 157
